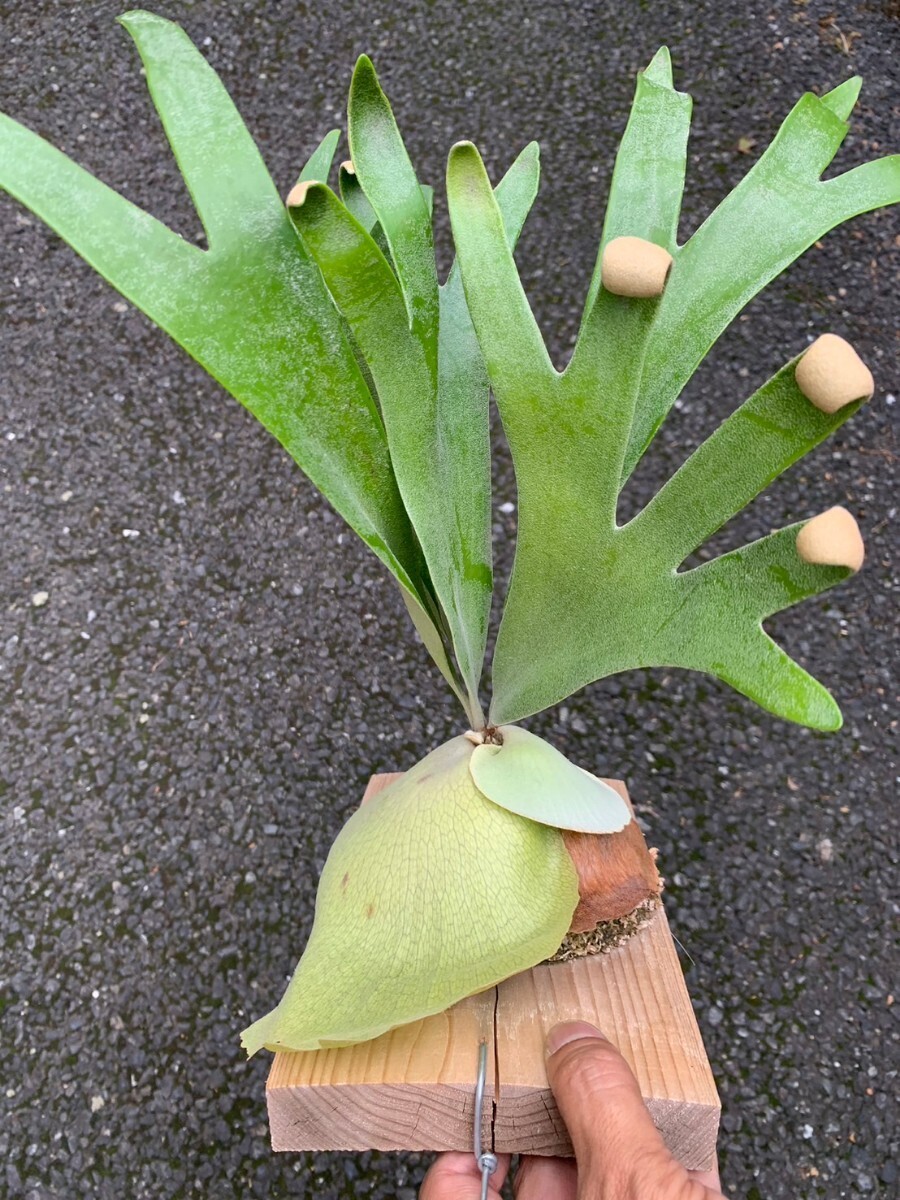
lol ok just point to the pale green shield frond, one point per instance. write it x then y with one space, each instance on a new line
430 893
528 776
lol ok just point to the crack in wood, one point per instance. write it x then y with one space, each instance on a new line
496 1096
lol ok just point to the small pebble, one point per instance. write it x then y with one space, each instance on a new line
826 850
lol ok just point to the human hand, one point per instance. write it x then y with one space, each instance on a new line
619 1154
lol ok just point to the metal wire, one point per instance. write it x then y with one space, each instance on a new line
486 1160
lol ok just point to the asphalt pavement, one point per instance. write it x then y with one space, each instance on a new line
200 666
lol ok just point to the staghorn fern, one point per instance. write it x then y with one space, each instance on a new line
326 319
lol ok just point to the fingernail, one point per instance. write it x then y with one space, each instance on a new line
571 1031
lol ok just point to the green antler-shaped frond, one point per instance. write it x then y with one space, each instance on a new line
778 210
376 256
398 444
596 598
408 924
252 309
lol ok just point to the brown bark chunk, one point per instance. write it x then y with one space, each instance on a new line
616 874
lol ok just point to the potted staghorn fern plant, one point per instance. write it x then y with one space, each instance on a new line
325 317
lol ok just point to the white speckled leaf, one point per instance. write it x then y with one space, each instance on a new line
430 893
528 776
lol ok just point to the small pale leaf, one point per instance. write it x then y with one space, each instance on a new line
528 776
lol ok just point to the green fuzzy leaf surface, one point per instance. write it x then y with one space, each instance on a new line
252 309
648 178
318 165
430 893
375 379
429 376
389 181
588 597
778 210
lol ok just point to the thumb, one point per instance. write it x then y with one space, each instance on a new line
602 1106
455 1176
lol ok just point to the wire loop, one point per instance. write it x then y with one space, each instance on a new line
486 1159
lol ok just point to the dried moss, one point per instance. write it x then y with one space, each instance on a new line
606 935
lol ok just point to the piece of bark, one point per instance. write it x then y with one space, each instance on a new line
616 874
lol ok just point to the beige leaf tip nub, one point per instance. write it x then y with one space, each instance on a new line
347 165
297 194
831 374
634 267
832 539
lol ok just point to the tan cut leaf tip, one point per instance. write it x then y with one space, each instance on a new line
297 194
832 539
347 165
831 374
634 267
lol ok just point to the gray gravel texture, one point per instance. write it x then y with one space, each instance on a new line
194 711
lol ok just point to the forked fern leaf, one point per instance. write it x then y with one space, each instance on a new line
778 210
597 598
252 309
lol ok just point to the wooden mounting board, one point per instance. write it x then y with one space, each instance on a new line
413 1088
